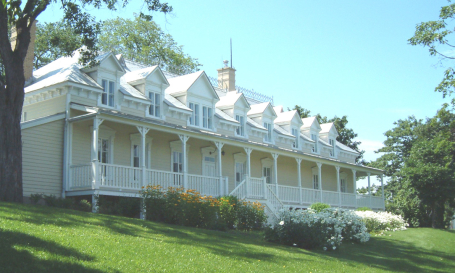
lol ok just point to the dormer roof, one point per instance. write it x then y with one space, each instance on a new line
278 109
288 117
141 75
328 128
180 85
231 99
261 108
109 56
311 123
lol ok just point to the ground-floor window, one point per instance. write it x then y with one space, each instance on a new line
343 185
267 173
315 182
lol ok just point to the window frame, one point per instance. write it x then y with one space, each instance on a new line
296 133
240 131
155 104
315 138
268 138
108 95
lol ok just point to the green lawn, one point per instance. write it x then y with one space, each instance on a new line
43 239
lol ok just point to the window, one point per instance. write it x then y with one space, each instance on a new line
268 136
267 173
343 185
108 93
239 172
314 137
207 117
315 182
295 133
154 109
177 162
240 131
194 118
332 143
24 117
136 153
103 150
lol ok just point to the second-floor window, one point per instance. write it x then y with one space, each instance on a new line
314 137
295 133
154 109
194 118
108 93
240 131
207 117
332 150
268 136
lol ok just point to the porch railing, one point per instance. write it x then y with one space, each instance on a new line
163 178
205 185
348 199
256 187
310 196
122 177
80 176
331 197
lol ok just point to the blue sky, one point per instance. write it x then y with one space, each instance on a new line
332 57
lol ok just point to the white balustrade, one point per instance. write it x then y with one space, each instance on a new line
310 196
348 199
205 185
363 201
240 190
331 198
80 176
164 179
256 187
289 194
117 176
377 202
273 201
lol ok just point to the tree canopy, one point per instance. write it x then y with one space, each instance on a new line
22 17
419 157
145 43
345 135
437 36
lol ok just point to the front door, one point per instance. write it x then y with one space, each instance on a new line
209 168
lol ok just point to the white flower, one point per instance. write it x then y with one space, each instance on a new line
334 247
281 223
325 248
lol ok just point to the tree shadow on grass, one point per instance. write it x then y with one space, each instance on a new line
20 252
398 256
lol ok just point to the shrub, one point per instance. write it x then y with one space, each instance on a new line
382 221
364 209
83 205
189 208
35 198
310 229
318 207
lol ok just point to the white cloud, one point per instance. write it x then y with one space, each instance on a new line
369 146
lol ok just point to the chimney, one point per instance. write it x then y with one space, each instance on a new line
226 76
28 61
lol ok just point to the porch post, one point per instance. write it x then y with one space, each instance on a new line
275 171
382 186
94 153
338 185
219 146
248 160
143 131
369 189
320 178
299 177
184 139
355 185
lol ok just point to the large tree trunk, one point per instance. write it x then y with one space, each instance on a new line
11 101
437 214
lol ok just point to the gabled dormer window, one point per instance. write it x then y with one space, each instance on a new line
240 131
194 118
314 137
207 117
268 136
332 150
107 97
295 133
155 107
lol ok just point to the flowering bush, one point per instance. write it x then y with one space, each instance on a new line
310 229
190 208
382 221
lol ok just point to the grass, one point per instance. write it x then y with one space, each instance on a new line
44 239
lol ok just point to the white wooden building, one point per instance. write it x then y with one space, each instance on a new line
116 127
